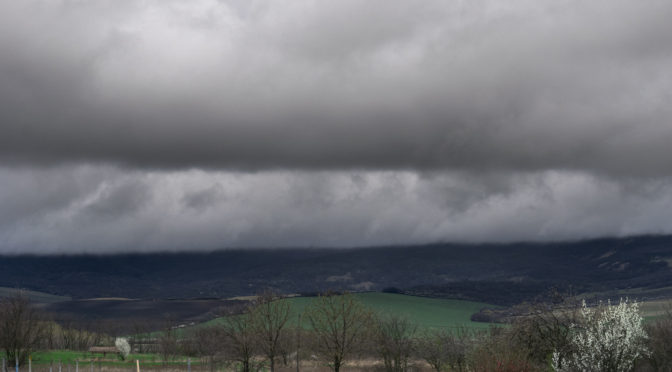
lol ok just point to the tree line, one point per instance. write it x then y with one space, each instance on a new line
336 328
567 336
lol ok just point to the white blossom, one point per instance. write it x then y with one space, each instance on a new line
123 346
610 338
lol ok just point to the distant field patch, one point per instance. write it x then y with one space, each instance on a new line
425 312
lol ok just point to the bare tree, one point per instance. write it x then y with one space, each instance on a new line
660 342
339 324
21 328
141 335
168 346
270 316
394 341
208 342
241 340
443 348
546 329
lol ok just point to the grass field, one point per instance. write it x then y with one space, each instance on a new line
425 312
652 310
66 357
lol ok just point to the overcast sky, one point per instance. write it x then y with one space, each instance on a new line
203 124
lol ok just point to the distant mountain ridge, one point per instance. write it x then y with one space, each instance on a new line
468 271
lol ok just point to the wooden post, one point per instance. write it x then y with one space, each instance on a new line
60 366
30 363
3 365
188 365
137 365
76 365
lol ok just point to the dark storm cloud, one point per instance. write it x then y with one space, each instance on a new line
467 85
174 125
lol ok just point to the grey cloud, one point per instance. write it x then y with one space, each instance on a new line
27 194
203 199
115 212
469 86
114 199
169 125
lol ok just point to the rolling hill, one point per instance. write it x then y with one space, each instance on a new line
493 273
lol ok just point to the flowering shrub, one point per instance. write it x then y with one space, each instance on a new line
610 338
123 347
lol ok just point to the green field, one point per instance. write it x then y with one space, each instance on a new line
66 357
425 312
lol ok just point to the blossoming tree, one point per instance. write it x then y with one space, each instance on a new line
610 339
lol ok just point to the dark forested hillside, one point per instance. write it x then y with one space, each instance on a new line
498 273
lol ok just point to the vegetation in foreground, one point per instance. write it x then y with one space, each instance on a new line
341 329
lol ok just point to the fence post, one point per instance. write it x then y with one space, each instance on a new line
188 365
298 343
137 365
76 365
3 365
30 363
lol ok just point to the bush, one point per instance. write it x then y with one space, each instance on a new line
123 347
610 339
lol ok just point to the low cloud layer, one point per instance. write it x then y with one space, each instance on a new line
106 209
165 124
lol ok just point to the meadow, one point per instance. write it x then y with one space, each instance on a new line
425 312
68 359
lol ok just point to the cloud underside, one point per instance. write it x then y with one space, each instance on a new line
151 125
384 85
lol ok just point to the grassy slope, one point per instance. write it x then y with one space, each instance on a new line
425 312
33 295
